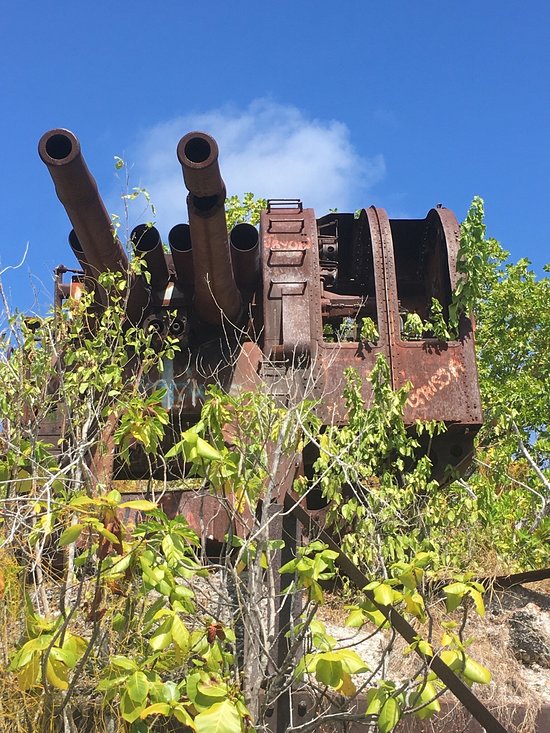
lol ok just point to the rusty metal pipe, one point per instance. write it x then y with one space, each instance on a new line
77 190
148 244
245 256
216 294
179 239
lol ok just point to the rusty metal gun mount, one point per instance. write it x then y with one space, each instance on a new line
283 303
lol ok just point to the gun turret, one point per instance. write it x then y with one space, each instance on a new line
100 248
216 294
323 295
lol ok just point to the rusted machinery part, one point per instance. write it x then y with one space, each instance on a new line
216 294
245 256
148 244
77 190
179 239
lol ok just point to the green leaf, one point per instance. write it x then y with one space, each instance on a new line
123 663
207 451
180 634
377 618
39 643
457 588
57 674
478 601
29 674
454 594
452 602
176 449
140 505
289 567
414 604
110 683
383 594
113 497
81 501
351 661
137 687
166 692
329 672
182 716
69 658
129 709
424 695
223 717
163 635
209 689
356 619
476 672
171 552
389 715
71 534
159 708
425 648
113 539
375 699
452 659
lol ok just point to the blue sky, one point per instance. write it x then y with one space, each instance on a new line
347 104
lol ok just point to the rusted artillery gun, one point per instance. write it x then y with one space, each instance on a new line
283 309
254 307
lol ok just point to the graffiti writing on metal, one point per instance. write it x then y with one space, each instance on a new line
186 389
441 379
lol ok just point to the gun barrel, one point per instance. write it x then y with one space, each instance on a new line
179 239
216 294
77 190
148 244
245 256
78 252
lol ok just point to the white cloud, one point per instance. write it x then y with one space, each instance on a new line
271 149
